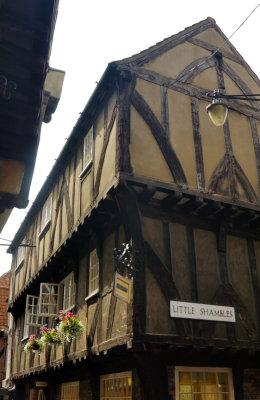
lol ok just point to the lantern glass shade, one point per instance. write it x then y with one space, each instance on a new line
217 112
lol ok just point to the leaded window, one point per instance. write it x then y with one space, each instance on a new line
116 386
194 383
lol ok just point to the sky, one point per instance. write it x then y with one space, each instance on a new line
90 34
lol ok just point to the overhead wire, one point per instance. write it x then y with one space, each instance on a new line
223 44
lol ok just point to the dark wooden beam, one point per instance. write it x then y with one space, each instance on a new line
171 199
147 194
192 205
245 217
209 209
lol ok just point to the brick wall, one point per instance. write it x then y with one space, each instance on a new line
4 289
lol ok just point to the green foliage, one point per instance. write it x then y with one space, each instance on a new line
33 345
69 327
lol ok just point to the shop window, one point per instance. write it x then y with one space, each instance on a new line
70 391
46 213
194 383
116 386
67 288
93 277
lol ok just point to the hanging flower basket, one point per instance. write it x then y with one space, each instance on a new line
50 336
69 327
33 345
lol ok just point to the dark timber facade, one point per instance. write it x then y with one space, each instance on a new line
144 166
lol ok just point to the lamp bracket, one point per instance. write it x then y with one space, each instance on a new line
218 95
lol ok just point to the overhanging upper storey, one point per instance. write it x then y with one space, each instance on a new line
171 138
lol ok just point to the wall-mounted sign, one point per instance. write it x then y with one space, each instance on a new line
181 309
122 288
41 384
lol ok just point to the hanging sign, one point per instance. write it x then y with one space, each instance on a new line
122 288
208 312
41 384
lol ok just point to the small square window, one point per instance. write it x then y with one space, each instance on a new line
93 278
46 212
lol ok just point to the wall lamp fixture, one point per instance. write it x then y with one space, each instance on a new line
218 110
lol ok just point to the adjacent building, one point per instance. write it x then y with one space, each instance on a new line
29 94
4 291
147 228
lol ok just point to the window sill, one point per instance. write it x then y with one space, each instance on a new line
44 229
92 295
68 309
86 170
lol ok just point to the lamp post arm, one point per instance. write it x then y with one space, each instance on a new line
217 95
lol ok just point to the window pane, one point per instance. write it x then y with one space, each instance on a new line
49 295
68 292
199 396
185 397
197 382
210 382
46 212
223 381
87 149
93 271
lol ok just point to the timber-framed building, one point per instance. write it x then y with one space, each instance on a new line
145 167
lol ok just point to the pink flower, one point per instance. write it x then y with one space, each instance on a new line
32 336
68 314
61 311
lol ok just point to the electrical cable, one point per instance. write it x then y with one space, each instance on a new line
223 44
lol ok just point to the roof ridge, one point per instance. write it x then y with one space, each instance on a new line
162 42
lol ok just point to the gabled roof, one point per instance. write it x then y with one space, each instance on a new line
105 84
154 51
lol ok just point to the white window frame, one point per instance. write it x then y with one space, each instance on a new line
93 273
32 317
203 370
70 391
87 151
46 305
46 213
115 378
67 290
